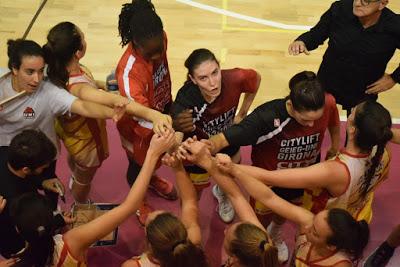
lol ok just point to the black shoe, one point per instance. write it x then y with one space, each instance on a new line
380 257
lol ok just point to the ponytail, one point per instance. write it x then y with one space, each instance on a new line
63 40
373 123
306 93
251 247
269 255
33 218
167 237
348 235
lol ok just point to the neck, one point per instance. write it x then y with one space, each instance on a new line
322 252
208 99
18 173
14 84
370 20
353 149
74 67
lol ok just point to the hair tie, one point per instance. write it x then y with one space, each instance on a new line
177 244
262 244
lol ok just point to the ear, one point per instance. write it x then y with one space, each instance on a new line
289 106
79 54
331 247
192 79
14 71
383 4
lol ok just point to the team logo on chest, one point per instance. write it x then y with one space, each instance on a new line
29 113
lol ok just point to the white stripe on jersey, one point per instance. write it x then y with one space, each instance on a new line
274 132
125 77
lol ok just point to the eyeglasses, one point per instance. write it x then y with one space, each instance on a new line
367 2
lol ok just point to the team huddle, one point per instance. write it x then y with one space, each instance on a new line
48 97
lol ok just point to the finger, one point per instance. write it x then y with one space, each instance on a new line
169 120
290 49
159 129
373 90
306 51
373 84
3 203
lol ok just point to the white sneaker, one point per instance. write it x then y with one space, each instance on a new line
275 233
225 209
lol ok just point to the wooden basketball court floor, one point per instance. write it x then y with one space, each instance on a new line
242 33
255 34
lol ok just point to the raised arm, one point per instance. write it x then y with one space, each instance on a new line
188 196
200 155
330 175
265 195
80 238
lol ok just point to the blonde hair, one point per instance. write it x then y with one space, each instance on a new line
251 247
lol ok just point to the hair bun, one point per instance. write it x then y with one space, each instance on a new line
310 76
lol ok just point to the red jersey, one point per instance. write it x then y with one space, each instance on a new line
278 140
213 118
147 83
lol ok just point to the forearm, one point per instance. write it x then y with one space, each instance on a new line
396 136
247 101
218 142
87 92
91 110
102 85
80 238
185 186
139 110
253 186
334 133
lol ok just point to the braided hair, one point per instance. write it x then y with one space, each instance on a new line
138 21
373 128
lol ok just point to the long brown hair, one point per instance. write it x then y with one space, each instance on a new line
169 243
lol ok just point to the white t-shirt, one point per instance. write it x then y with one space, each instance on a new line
32 111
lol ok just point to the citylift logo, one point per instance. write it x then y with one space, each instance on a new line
29 113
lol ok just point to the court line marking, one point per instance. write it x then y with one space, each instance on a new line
228 13
226 27
28 29
274 24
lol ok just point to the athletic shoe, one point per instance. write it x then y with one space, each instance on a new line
143 212
224 208
380 257
275 233
163 188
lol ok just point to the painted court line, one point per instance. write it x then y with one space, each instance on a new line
254 20
245 17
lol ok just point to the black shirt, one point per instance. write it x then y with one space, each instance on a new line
11 187
355 57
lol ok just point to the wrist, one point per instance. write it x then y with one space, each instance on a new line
153 115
